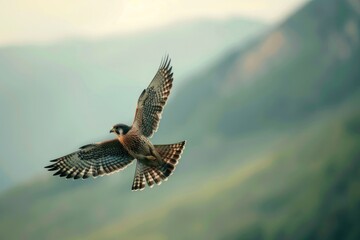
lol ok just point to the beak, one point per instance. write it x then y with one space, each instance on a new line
112 130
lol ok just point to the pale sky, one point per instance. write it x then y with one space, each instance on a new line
38 21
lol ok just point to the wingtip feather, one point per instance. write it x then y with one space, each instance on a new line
165 61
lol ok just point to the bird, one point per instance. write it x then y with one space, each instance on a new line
154 163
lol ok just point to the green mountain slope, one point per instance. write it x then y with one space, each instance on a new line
47 92
308 190
304 187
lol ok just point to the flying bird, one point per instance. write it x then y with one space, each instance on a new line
154 163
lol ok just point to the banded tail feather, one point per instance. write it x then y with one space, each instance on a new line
170 153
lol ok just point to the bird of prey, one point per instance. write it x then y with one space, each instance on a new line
155 163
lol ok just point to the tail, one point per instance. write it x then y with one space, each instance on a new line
170 155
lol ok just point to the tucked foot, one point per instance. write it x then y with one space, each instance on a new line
150 157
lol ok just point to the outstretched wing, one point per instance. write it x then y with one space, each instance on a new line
153 99
92 160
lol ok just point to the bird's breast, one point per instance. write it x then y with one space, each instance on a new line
134 143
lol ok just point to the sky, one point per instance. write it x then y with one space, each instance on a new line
39 21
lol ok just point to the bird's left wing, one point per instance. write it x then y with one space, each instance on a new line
92 160
153 99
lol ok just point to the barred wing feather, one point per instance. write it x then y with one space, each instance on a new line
92 160
153 99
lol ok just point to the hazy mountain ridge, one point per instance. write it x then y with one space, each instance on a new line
258 86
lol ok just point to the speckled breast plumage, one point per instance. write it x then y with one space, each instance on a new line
135 143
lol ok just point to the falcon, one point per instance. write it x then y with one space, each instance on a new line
154 163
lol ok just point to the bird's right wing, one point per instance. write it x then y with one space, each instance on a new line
92 160
153 99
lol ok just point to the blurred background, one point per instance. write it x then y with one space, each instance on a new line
266 93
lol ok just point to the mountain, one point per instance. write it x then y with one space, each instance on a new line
273 132
56 98
306 64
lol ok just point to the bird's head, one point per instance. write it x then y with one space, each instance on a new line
120 129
